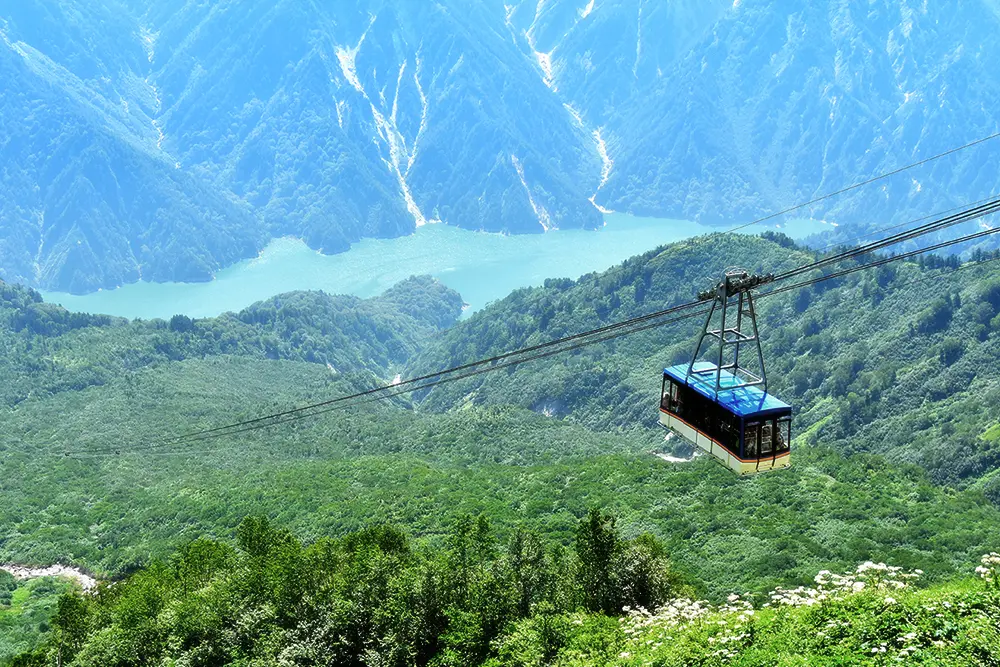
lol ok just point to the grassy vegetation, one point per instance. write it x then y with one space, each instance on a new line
26 612
127 505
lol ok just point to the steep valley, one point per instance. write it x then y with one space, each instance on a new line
165 141
439 256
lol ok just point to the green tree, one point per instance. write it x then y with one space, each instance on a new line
70 624
598 550
529 569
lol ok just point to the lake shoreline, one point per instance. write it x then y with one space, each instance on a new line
481 266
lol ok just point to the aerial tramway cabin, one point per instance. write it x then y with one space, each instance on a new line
723 407
745 428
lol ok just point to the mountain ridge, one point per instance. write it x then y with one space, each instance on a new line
372 118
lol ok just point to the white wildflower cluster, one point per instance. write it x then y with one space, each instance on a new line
989 568
880 576
910 645
740 613
832 626
869 576
729 624
653 629
797 597
677 613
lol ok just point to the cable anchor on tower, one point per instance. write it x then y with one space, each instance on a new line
732 296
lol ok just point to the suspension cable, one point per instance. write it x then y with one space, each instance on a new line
849 243
974 213
991 206
627 327
869 181
508 360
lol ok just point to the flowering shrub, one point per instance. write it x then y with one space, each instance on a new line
872 616
989 568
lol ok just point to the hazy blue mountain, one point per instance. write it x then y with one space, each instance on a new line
164 140
85 202
722 110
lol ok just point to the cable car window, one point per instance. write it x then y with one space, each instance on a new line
784 435
766 432
750 434
727 431
680 405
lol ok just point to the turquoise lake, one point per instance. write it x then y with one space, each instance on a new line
481 267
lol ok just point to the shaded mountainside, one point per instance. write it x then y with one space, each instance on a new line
166 140
715 110
84 204
903 360
412 112
331 124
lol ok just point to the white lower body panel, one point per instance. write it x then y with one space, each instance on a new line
707 444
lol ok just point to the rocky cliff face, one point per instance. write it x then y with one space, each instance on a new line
719 109
164 140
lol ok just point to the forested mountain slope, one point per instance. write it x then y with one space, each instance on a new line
903 360
91 395
93 477
164 140
49 350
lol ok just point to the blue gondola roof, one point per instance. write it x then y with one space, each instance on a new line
744 402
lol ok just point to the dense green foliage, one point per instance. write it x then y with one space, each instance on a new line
892 361
114 504
89 476
25 612
371 596
375 598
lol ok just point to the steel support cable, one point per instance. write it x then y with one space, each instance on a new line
397 391
887 260
447 371
96 455
968 215
848 243
863 250
869 181
620 334
517 362
405 386
791 209
611 327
